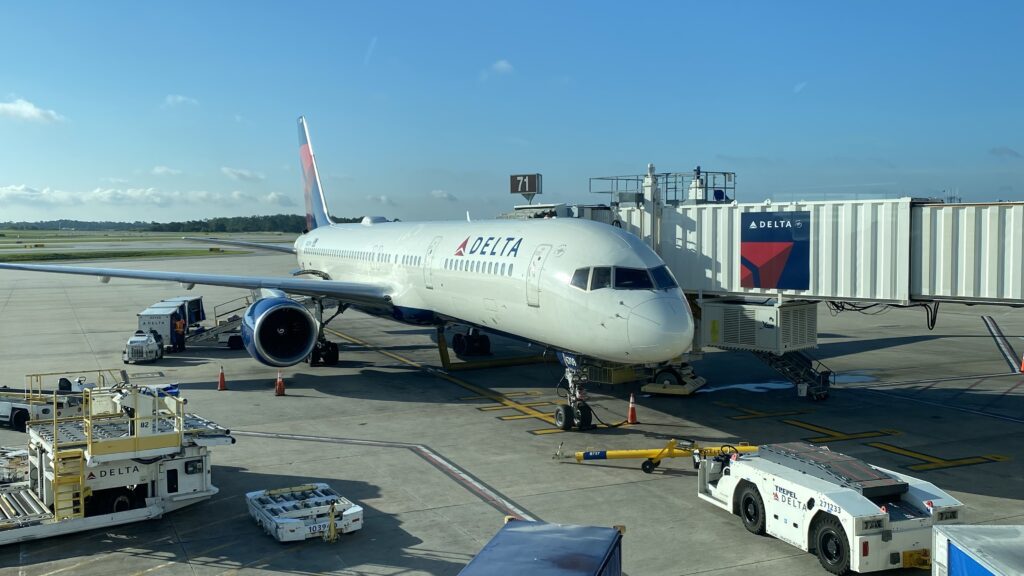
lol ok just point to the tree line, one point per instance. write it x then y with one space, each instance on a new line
276 223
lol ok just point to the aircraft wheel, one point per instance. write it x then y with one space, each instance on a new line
563 417
459 343
667 377
584 416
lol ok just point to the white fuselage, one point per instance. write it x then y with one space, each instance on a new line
513 277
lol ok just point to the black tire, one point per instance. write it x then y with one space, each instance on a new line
235 342
485 345
648 466
459 343
120 503
831 546
19 420
584 416
667 377
330 356
314 356
563 417
752 510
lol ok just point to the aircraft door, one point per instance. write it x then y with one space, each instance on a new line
533 274
428 261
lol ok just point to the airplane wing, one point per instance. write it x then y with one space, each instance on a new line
349 292
287 249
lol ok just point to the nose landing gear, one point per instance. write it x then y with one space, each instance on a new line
576 412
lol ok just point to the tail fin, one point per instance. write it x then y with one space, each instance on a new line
316 206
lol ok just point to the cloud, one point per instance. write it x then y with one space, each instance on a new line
25 110
381 200
172 100
278 199
443 195
164 171
498 67
1005 152
799 87
242 174
114 180
369 51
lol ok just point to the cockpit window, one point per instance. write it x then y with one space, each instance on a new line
632 279
663 278
602 278
580 277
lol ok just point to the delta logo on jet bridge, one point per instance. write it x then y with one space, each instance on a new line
775 250
490 246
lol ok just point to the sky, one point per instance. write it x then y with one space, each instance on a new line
164 111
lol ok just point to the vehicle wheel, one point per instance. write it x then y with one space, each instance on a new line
752 510
19 420
120 503
330 356
667 377
648 466
584 416
832 547
235 343
563 417
459 343
485 345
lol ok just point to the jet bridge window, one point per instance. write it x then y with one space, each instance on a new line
602 278
633 279
663 278
580 277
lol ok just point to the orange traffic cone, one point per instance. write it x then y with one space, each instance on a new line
221 384
631 416
1022 364
279 385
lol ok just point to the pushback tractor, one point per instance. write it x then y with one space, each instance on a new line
854 516
134 454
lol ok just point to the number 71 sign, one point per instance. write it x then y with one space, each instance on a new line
525 183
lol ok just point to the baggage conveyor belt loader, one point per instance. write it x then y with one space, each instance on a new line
134 454
854 516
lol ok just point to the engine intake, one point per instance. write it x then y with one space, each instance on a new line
278 331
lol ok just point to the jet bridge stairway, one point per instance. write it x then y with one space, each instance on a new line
812 378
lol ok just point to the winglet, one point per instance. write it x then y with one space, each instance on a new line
316 206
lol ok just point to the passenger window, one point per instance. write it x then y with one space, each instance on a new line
632 279
602 278
580 277
663 278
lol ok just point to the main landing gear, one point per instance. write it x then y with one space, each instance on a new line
576 412
471 344
324 351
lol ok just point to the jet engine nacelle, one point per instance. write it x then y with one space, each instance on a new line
278 331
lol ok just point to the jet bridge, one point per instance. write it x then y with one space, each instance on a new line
756 271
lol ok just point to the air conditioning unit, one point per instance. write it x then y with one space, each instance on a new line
775 328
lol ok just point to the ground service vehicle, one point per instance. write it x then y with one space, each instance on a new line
307 511
143 347
978 550
542 549
19 405
854 516
139 460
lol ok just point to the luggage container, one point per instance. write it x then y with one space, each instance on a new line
542 549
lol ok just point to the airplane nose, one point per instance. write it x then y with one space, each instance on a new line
659 330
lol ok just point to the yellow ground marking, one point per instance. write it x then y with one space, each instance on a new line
934 462
528 404
505 401
836 436
751 414
507 395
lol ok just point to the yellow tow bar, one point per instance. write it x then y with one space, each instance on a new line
653 456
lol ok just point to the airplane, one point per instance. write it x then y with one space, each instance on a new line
587 290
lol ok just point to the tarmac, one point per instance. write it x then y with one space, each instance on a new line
438 459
